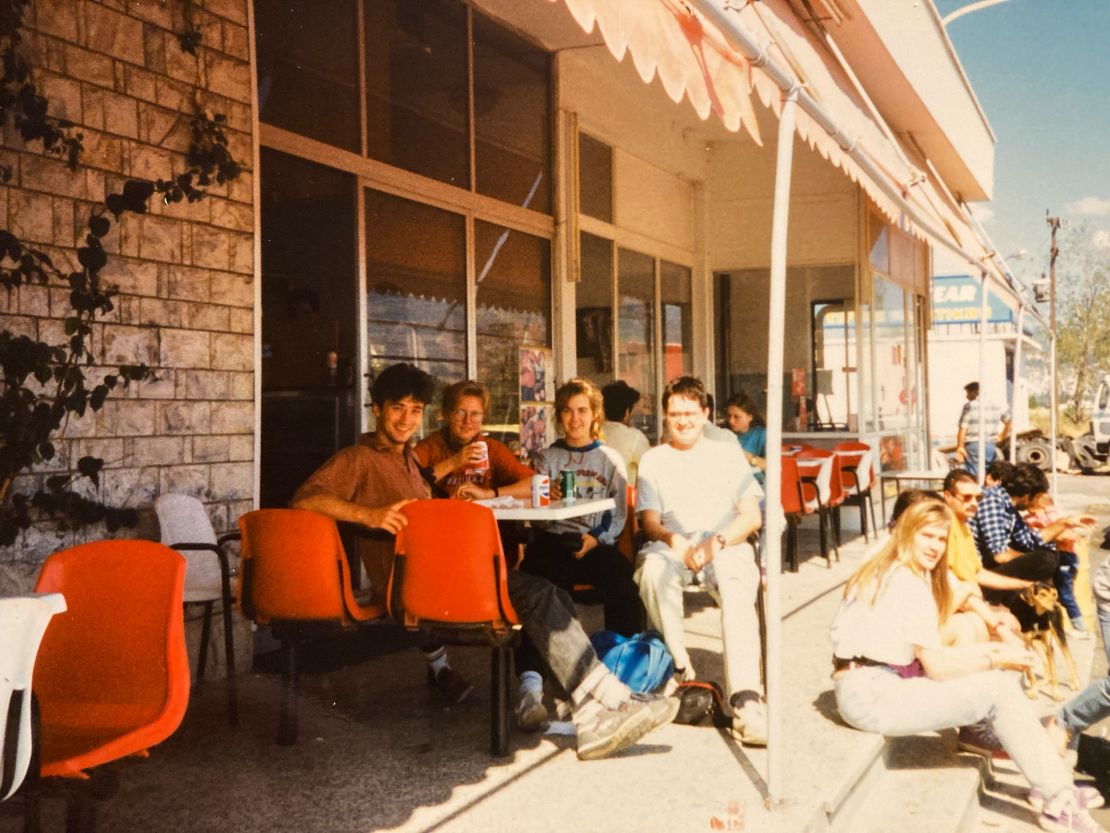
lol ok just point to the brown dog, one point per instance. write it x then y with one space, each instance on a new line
1042 617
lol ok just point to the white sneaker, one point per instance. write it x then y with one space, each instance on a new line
749 724
531 713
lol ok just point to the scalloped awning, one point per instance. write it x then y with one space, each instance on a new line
693 59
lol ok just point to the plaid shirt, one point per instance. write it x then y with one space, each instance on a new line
998 525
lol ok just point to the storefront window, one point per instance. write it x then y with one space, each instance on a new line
595 178
890 355
834 365
678 318
636 333
417 95
512 121
416 288
308 69
513 276
594 310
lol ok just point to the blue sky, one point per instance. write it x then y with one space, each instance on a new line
1041 71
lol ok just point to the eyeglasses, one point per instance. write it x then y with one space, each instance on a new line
967 498
464 416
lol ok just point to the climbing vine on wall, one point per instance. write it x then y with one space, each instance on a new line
44 385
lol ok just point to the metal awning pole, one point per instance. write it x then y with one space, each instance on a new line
776 333
1017 378
981 438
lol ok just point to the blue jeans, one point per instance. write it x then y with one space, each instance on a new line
1092 704
876 699
1066 569
972 461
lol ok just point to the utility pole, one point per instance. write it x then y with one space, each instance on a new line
1053 253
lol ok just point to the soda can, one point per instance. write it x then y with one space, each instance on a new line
482 464
566 484
541 490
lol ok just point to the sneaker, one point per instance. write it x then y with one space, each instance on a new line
749 724
531 713
1087 797
1068 818
451 685
980 739
663 707
613 730
1079 630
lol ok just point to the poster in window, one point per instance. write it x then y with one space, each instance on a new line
594 328
536 429
535 374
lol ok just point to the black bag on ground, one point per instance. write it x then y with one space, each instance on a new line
701 702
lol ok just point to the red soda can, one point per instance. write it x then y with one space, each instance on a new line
541 490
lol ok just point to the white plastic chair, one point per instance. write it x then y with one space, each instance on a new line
23 621
187 528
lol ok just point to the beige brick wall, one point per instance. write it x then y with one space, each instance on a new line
185 272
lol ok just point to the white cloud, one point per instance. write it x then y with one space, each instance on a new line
1090 207
983 213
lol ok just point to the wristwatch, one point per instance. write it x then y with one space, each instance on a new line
720 539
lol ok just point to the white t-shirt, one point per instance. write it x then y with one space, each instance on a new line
629 442
902 618
695 490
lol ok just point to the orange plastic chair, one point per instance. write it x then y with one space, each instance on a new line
857 473
295 578
794 506
112 674
628 543
449 582
819 471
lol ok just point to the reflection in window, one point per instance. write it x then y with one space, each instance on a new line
594 313
512 121
879 243
834 365
678 318
636 333
308 69
416 87
513 274
892 390
595 178
416 288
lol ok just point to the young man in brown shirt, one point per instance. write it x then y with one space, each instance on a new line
369 483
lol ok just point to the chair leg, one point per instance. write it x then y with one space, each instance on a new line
871 506
792 547
823 523
205 636
862 515
499 702
229 654
287 721
835 513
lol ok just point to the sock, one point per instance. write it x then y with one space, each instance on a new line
601 685
531 681
437 659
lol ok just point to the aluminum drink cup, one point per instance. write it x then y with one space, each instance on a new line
566 484
541 490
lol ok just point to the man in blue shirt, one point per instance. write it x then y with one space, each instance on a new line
1006 544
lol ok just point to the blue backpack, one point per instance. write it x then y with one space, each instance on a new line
642 661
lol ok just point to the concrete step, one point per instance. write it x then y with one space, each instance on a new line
918 785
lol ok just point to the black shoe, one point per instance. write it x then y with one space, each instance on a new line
450 684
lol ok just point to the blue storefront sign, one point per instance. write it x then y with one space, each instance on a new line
957 300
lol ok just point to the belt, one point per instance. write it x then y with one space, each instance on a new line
842 664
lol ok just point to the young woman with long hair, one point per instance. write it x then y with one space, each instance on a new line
894 675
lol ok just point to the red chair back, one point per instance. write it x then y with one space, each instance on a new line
453 570
627 542
791 504
831 490
112 674
295 568
858 456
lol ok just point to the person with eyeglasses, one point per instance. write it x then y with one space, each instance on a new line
457 461
962 494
